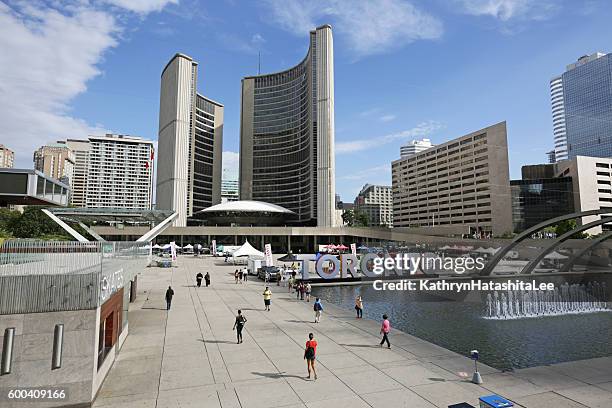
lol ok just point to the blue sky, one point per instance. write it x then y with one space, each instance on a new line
403 69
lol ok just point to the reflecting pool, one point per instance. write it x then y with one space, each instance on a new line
462 326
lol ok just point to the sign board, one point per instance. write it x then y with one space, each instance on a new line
268 255
110 283
354 250
213 248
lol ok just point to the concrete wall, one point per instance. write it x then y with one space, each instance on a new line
33 349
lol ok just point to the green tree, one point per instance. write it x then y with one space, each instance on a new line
361 219
8 219
33 223
566 226
348 217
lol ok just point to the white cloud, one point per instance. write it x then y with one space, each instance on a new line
367 174
387 118
422 129
368 27
231 165
141 6
506 10
236 43
48 56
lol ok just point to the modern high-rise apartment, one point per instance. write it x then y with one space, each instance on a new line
464 181
112 171
377 203
190 143
287 135
581 100
55 160
7 157
414 146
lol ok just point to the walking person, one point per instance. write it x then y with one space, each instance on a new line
169 294
308 291
310 354
302 290
385 328
199 278
236 276
240 276
239 325
267 295
359 306
207 279
297 291
245 274
318 309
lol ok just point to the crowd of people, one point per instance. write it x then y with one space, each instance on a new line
303 291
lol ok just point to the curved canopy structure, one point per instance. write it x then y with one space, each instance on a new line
246 206
246 213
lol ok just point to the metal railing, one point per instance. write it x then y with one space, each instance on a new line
43 276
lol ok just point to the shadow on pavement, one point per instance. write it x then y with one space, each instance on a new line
359 345
277 375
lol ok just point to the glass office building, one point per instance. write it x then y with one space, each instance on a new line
287 135
582 108
537 200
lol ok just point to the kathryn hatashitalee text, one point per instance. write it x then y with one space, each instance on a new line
444 285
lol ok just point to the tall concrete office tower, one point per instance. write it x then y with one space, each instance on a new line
287 135
581 101
190 143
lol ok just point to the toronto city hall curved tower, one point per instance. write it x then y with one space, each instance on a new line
287 135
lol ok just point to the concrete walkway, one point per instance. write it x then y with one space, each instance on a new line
188 357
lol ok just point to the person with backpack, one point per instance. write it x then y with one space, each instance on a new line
384 330
199 278
318 308
239 325
310 354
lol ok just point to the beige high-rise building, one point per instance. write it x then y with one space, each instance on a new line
56 160
190 143
7 157
287 135
592 186
377 203
464 181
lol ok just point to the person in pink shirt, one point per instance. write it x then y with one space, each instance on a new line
384 330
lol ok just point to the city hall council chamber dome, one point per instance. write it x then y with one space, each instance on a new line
246 213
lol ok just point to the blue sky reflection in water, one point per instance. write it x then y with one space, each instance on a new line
460 327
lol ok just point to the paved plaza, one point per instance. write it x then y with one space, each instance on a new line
188 357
